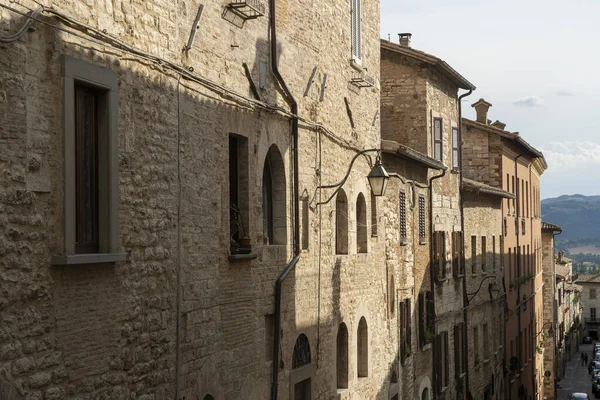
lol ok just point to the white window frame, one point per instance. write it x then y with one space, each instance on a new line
356 31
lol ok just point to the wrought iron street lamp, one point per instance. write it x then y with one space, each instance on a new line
378 178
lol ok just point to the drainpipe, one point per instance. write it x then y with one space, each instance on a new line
462 228
431 271
296 203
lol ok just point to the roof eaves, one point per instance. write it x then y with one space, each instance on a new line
480 187
546 226
395 148
432 60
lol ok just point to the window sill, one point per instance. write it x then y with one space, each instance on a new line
422 243
455 171
241 257
95 258
486 360
441 280
426 347
404 243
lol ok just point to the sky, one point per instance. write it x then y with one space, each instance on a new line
536 61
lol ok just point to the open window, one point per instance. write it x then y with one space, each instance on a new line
274 199
362 349
342 357
361 224
238 192
341 223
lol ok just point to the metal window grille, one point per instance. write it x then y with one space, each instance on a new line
421 219
402 217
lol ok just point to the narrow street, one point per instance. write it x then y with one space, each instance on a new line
576 378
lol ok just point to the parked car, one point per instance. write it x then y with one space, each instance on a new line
580 396
596 386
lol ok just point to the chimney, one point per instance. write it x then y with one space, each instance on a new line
499 125
405 39
561 254
482 107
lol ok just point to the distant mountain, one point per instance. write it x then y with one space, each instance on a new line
577 215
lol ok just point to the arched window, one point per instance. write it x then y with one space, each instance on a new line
341 223
361 224
425 394
342 357
301 355
274 199
362 349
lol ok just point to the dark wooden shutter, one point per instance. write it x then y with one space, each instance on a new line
437 253
443 256
437 367
457 348
446 363
408 337
422 313
402 326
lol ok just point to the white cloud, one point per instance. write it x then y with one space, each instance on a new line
572 155
563 92
529 101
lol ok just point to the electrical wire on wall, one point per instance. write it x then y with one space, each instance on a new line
102 38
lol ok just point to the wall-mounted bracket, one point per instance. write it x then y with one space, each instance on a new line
310 81
247 9
195 28
251 82
323 87
349 111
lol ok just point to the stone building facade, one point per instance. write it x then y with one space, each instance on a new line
419 109
485 292
550 313
590 301
194 215
504 160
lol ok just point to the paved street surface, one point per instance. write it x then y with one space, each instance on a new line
576 378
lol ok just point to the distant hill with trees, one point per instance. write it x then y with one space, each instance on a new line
579 217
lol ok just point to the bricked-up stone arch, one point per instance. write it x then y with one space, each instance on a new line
425 394
301 355
361 224
274 198
341 223
362 349
342 357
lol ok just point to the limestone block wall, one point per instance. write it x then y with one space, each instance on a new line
178 317
483 218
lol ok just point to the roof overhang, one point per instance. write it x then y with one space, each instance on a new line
394 148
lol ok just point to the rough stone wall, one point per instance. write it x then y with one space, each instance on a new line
481 155
483 217
442 103
110 330
408 265
549 315
403 101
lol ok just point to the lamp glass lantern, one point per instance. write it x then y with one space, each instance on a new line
378 179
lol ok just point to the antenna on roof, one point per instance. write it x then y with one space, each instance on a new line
388 37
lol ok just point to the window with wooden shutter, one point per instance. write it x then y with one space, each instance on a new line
430 316
408 331
422 317
437 139
457 349
457 262
356 31
483 253
455 153
446 357
421 219
439 253
402 311
403 238
473 254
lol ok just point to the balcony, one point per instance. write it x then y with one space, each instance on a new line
592 321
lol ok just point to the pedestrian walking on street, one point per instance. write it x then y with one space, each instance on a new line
586 358
582 358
